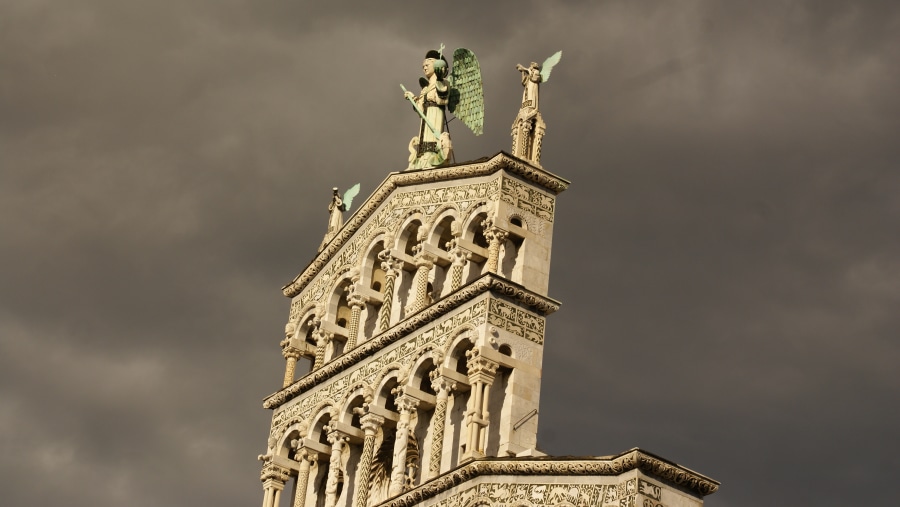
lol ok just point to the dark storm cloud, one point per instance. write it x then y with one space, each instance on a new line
727 254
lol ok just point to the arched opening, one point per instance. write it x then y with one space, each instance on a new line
422 432
474 233
341 312
457 404
374 278
403 286
510 265
306 334
383 458
318 473
497 408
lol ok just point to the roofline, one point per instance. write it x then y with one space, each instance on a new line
632 459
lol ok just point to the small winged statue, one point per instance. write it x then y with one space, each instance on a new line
335 210
462 95
528 127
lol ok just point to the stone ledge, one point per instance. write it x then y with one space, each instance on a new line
487 282
633 459
484 167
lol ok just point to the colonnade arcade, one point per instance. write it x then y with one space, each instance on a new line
400 273
385 438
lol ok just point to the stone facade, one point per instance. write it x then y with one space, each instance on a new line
422 321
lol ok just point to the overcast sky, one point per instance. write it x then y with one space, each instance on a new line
728 254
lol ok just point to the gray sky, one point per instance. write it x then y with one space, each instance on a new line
727 256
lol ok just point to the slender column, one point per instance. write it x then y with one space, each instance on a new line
305 458
291 354
322 340
407 405
423 267
458 258
481 376
337 441
391 267
273 478
357 302
442 386
370 424
496 237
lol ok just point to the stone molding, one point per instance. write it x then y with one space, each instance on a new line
487 282
634 459
500 161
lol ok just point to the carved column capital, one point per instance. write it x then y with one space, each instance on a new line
390 264
272 472
290 352
495 234
357 300
405 403
335 436
458 254
370 423
481 369
441 385
322 337
423 259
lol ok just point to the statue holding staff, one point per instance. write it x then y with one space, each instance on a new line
461 95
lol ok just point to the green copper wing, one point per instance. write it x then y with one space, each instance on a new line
466 100
349 195
548 65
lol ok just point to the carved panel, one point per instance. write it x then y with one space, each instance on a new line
517 321
528 198
503 494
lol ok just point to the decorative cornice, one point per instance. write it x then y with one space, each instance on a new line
487 282
484 167
634 459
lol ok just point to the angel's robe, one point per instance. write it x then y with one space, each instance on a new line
433 101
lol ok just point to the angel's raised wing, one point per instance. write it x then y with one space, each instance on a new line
349 195
466 100
548 65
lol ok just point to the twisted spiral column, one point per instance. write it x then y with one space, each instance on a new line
391 267
370 424
322 340
442 386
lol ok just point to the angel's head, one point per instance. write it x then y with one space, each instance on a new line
434 64
534 72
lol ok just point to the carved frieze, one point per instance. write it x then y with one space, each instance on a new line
623 493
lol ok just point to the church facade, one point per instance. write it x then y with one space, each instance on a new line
423 322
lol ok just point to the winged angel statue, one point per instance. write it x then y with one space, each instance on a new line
528 127
335 209
462 95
